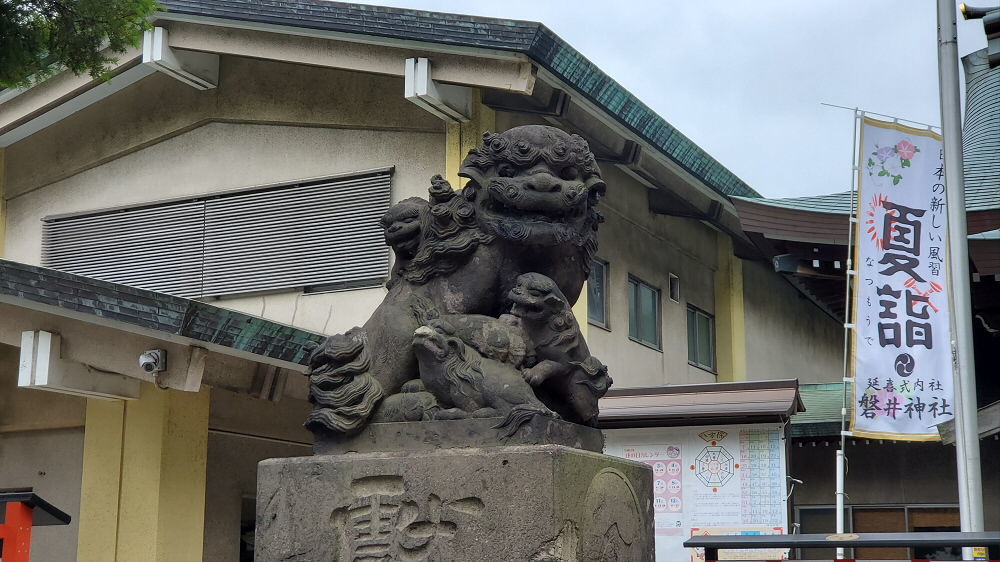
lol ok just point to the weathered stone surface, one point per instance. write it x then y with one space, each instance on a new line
477 321
448 434
530 503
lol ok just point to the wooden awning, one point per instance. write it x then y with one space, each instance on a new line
701 404
988 418
780 220
807 239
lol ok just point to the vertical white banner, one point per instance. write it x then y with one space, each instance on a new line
902 345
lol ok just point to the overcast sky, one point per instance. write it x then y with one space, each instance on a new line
744 80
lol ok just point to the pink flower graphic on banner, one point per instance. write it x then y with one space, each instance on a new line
906 150
886 163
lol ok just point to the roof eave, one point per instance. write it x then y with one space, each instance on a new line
720 403
634 117
175 319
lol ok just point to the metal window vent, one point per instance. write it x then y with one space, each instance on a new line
319 232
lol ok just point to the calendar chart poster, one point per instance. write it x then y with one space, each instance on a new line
710 480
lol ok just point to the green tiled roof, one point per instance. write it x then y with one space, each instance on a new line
823 403
981 130
837 203
530 38
155 311
822 416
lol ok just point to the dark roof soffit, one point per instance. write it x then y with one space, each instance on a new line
83 296
530 38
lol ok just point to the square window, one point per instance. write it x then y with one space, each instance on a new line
597 296
701 338
880 520
643 313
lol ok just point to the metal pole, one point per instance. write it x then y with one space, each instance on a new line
966 423
840 500
867 112
848 330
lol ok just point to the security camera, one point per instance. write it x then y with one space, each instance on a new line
153 361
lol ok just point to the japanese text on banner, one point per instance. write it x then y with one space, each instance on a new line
902 352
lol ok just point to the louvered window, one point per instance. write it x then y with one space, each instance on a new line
317 233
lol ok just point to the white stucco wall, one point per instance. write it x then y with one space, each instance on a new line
50 462
250 91
649 246
232 476
41 448
221 156
266 123
787 336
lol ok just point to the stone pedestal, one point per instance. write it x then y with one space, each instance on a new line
448 434
512 503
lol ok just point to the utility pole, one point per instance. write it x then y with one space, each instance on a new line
964 366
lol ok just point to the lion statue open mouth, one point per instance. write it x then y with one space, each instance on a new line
534 183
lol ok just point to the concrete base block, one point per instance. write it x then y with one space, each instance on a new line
540 503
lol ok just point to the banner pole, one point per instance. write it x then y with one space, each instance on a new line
848 307
867 112
963 361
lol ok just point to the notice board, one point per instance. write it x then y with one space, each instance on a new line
727 479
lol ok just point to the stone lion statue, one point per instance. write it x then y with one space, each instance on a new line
529 206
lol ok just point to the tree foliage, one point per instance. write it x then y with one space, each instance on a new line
39 37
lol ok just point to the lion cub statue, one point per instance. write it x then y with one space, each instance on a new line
566 377
530 361
467 383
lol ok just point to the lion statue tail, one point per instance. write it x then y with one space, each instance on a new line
597 380
343 392
520 415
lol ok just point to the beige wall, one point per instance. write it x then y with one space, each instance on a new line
650 247
232 475
23 409
249 91
787 336
41 447
50 462
221 156
233 455
324 313
266 123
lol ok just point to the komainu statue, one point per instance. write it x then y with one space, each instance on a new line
477 321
